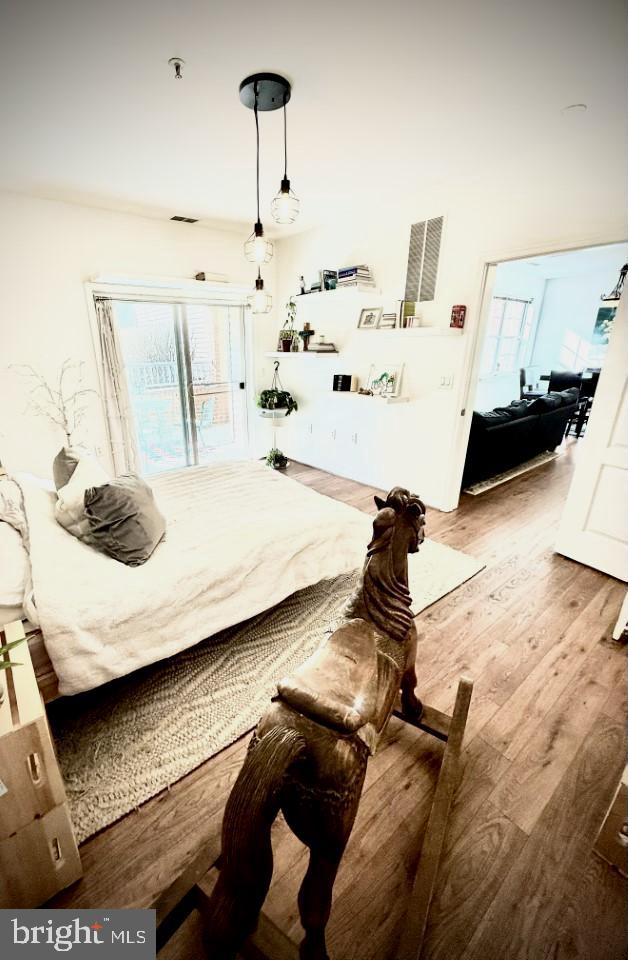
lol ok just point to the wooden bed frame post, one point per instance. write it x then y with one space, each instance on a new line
193 889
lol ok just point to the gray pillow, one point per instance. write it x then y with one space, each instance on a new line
124 520
64 465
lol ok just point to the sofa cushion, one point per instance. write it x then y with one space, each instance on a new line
549 401
515 410
489 418
569 396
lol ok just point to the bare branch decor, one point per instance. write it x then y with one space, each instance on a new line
63 404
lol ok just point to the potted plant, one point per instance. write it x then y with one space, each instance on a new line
276 402
7 664
276 459
288 335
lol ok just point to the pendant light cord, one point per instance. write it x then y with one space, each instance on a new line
257 140
285 143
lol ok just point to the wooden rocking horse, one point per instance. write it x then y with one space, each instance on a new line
309 753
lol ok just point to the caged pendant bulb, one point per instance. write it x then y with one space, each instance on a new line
285 206
257 248
260 301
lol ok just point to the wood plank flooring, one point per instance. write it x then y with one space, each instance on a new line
544 753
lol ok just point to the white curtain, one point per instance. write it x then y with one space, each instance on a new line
115 394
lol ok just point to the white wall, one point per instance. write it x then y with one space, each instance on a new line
425 442
48 250
570 308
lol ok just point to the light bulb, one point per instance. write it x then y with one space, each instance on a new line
257 248
260 301
285 206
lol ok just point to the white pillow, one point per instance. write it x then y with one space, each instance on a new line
14 567
70 507
12 507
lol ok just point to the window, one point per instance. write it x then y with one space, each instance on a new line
184 370
509 328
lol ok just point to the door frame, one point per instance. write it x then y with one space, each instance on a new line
471 366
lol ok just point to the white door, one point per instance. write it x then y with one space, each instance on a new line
594 524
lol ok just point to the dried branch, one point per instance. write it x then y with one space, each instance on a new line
61 407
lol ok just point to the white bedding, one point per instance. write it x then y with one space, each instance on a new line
240 537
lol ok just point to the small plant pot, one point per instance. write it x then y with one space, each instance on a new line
286 345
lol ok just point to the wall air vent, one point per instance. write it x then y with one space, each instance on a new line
184 219
423 256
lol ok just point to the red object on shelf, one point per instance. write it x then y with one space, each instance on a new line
458 313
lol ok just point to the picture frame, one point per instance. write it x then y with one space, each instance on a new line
369 318
384 379
603 324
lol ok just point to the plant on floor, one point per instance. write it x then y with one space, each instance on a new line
276 459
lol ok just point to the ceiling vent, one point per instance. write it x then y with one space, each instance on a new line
184 219
423 256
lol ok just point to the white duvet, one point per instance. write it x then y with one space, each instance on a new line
240 537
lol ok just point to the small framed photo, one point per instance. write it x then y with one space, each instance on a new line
369 318
329 279
385 379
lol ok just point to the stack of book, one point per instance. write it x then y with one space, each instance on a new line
359 275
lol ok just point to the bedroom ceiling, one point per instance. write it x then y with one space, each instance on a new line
391 105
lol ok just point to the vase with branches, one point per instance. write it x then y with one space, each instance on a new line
63 403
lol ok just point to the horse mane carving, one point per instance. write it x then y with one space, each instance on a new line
382 595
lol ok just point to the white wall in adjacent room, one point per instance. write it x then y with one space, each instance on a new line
569 311
419 444
48 250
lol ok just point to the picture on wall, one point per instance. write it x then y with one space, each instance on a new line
385 379
369 318
603 324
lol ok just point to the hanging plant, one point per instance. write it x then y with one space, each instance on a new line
276 402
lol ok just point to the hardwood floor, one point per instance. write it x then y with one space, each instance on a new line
544 753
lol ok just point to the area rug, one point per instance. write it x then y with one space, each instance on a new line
123 743
495 481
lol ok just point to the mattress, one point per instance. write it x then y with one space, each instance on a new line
240 538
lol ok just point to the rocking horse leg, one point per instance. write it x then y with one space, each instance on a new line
315 903
411 706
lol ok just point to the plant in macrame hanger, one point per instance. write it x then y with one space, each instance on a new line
276 404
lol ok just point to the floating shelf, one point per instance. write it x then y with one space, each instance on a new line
367 396
279 354
358 288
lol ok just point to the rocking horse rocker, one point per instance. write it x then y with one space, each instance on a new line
309 752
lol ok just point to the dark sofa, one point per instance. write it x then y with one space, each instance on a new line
507 436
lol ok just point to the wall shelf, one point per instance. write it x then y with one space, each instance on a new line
366 396
358 288
279 354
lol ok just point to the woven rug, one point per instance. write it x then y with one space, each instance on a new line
124 742
483 485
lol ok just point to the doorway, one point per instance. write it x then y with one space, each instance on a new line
543 339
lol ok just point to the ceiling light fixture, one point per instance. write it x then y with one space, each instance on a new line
616 292
261 91
260 301
285 206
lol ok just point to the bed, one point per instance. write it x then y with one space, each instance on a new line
240 538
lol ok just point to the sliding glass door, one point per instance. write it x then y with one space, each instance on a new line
184 366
